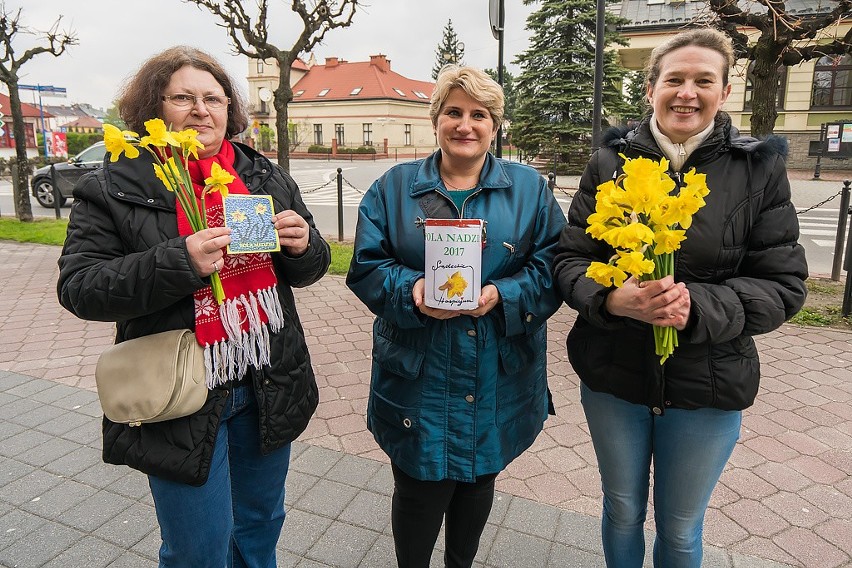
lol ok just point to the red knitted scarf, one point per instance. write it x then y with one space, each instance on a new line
235 334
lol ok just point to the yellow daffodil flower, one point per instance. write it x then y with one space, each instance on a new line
635 263
630 237
117 143
238 216
218 180
668 240
158 134
606 275
188 142
168 173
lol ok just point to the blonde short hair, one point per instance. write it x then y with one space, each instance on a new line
701 37
477 84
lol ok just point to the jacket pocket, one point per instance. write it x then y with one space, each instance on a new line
521 382
398 359
394 426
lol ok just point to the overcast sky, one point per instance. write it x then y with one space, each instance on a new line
116 36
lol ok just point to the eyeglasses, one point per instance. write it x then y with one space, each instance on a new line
185 101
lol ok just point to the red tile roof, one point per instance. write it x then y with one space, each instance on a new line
85 122
375 79
29 110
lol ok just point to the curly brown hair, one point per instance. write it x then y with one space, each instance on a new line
141 97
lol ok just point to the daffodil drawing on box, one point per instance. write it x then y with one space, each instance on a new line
171 151
454 286
640 218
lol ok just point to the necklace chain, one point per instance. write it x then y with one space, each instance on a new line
451 186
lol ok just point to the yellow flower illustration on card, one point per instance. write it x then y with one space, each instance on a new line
260 208
454 286
238 216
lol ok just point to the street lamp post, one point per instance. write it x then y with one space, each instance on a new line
497 17
599 66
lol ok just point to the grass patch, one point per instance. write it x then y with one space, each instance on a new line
341 254
809 316
42 231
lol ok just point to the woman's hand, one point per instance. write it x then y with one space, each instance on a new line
659 302
205 249
488 299
294 233
418 294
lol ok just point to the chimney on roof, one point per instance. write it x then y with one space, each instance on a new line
381 62
311 61
331 62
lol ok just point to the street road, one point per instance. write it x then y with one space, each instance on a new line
317 181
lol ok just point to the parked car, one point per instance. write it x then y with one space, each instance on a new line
67 174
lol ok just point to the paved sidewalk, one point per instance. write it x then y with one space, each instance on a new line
784 499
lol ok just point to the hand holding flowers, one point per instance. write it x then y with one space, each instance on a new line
644 223
171 152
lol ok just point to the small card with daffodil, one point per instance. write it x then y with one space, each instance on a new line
453 263
250 219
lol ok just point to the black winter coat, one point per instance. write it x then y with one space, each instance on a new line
741 262
124 261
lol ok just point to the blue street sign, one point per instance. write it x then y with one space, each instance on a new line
44 88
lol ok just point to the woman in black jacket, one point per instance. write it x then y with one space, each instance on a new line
217 476
740 272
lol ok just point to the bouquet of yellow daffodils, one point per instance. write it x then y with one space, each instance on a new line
637 216
171 151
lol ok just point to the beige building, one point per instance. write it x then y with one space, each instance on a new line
342 106
811 94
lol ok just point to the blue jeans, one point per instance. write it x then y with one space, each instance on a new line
689 449
235 518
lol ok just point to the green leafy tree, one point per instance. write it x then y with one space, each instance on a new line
56 42
785 37
112 117
450 50
555 94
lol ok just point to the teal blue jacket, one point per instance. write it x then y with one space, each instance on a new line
458 398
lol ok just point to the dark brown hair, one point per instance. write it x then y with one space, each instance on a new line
141 97
701 37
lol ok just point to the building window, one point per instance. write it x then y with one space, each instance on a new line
323 93
833 82
782 87
355 91
338 133
399 92
368 134
408 135
260 66
318 134
298 93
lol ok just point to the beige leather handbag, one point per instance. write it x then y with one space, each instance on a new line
152 378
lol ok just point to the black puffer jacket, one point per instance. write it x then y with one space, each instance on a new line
124 261
741 262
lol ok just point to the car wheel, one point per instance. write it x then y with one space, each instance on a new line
44 194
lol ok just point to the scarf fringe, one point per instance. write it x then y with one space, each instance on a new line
229 359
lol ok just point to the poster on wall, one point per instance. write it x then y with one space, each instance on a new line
847 133
834 144
833 131
58 144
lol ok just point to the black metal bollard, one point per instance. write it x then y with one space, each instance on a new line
551 180
841 232
340 204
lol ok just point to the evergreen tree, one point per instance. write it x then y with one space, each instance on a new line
556 84
450 50
635 95
509 91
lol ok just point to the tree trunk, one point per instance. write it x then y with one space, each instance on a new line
764 92
21 197
283 96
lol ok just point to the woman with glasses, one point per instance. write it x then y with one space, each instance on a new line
216 476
